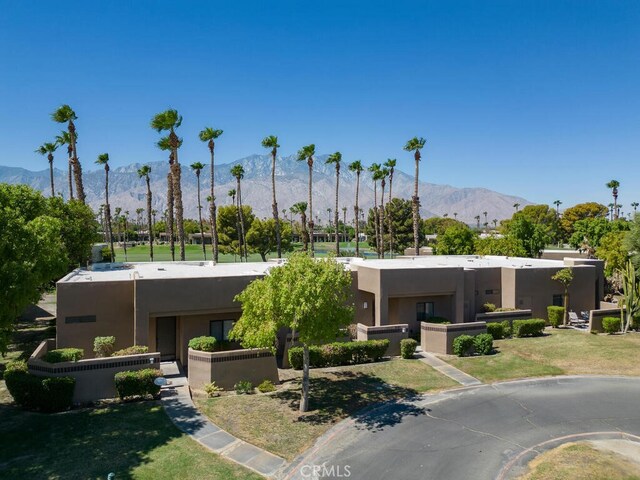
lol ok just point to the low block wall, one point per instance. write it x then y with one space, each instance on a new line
94 376
596 316
227 368
502 316
394 333
438 338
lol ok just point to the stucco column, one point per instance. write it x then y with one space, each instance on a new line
458 299
382 308
140 317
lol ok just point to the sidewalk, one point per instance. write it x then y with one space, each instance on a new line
448 370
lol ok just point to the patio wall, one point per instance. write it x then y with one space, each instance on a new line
596 316
502 316
438 338
394 333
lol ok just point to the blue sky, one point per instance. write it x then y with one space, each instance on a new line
539 99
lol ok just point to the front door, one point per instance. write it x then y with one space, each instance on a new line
166 337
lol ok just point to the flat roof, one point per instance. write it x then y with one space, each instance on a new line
464 261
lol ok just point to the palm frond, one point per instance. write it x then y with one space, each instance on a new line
103 159
63 114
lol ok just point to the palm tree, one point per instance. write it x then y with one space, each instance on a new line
238 172
335 159
357 168
300 208
125 220
635 206
485 218
65 114
383 173
477 217
139 216
344 224
445 215
306 153
415 145
232 194
495 223
613 185
197 167
516 206
169 120
557 203
455 215
272 142
144 172
375 176
103 159
209 135
391 165
47 149
65 139
164 145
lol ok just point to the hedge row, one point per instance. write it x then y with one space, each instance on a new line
138 383
47 394
340 353
132 350
203 344
524 328
555 315
466 344
611 324
64 355
499 330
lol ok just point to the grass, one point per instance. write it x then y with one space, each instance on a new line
135 440
560 352
581 461
274 423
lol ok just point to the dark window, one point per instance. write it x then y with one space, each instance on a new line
557 300
424 310
80 319
492 292
220 329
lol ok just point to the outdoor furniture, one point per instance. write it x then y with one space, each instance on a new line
575 320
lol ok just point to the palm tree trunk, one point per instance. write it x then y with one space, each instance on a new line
304 400
357 212
212 210
172 245
336 215
149 222
204 248
375 217
108 207
177 193
77 168
70 175
275 203
243 243
305 234
415 203
53 190
381 215
389 219
311 233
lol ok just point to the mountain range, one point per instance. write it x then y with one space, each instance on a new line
127 190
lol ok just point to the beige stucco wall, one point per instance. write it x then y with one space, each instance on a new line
403 309
438 338
190 326
394 333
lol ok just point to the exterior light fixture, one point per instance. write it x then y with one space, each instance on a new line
365 305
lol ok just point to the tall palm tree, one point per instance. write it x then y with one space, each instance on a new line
455 215
139 212
144 172
48 148
65 139
495 223
415 145
65 114
610 206
125 221
485 218
238 172
391 165
477 217
344 224
197 167
300 208
635 206
375 176
335 159
557 203
164 145
445 215
103 159
169 120
516 206
382 174
357 168
306 153
272 142
209 135
613 185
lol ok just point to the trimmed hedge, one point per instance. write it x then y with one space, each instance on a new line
339 353
463 345
47 394
555 315
496 330
483 344
611 324
64 355
489 307
137 383
103 346
442 320
204 344
408 347
533 327
132 350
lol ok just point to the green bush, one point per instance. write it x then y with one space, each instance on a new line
463 345
243 387
496 330
611 324
266 386
408 347
64 355
506 309
132 350
204 344
507 328
533 327
339 353
555 315
57 393
103 346
47 394
489 307
483 344
442 320
212 390
137 383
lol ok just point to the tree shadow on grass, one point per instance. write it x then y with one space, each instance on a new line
26 338
372 403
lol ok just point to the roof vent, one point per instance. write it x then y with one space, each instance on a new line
161 269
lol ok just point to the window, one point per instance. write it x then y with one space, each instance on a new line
557 300
424 310
220 329
80 319
492 292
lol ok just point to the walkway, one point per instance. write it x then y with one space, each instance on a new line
184 414
448 370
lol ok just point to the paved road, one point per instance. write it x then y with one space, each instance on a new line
477 432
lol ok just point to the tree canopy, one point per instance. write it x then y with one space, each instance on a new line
261 237
456 240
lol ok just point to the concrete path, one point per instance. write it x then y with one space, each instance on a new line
448 370
177 402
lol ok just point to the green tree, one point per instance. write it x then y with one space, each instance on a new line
311 298
580 212
237 171
631 297
374 168
209 135
165 145
272 142
48 149
65 114
437 225
632 241
307 153
65 139
506 246
229 228
197 167
79 229
415 145
588 232
335 159
456 240
611 250
300 208
357 168
103 159
564 277
390 165
541 215
613 185
532 236
145 172
262 237
401 212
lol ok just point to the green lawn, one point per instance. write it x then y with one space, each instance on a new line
274 423
135 440
560 352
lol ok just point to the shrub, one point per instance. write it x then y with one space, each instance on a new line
507 328
137 383
611 324
506 309
483 344
533 327
132 350
48 394
462 345
243 387
489 307
57 393
64 355
408 347
339 353
496 330
266 386
204 344
555 315
442 320
212 390
103 346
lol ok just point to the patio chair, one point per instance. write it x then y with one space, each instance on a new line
575 320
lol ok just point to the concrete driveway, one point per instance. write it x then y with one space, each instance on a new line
483 432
